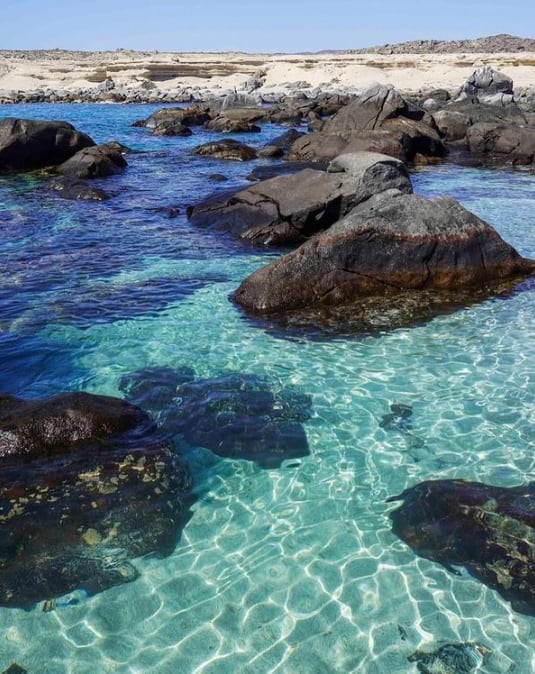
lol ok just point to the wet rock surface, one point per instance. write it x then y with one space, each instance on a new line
100 489
487 530
391 246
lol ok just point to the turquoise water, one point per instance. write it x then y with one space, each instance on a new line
289 570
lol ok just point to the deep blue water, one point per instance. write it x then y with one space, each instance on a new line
291 569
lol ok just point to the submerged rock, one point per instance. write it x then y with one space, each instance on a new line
399 419
69 188
238 416
27 144
488 530
390 248
463 658
100 490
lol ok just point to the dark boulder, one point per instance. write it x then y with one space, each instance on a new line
226 125
488 530
27 144
391 246
228 149
94 162
508 144
68 188
317 147
280 146
171 127
379 120
289 208
45 427
184 116
100 489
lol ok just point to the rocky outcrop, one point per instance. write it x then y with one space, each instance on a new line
380 119
288 209
391 245
27 144
488 530
100 490
487 85
94 162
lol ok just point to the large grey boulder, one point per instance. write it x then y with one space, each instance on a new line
27 144
388 247
488 86
368 111
288 209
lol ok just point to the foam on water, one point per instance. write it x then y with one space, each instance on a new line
291 570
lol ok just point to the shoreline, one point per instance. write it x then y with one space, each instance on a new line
173 77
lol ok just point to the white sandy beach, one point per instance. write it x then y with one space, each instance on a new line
217 72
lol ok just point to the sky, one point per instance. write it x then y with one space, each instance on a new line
269 26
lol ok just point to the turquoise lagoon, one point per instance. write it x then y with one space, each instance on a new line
291 570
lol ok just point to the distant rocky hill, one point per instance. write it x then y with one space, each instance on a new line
493 44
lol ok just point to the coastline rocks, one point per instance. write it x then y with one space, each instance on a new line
228 149
99 490
368 111
31 144
289 208
488 530
389 246
94 162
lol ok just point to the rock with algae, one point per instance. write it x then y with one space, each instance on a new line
488 530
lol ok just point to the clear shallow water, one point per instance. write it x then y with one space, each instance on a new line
292 570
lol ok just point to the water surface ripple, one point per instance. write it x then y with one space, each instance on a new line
286 570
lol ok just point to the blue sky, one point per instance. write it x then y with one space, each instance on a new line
268 26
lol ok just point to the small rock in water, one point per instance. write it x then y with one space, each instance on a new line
14 668
399 418
463 658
